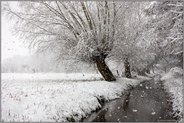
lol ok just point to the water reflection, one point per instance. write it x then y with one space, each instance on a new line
146 102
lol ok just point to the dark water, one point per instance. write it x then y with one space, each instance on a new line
145 103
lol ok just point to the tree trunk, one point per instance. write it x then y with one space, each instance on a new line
104 69
117 72
153 69
127 68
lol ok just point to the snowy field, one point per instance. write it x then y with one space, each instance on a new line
173 82
56 97
50 76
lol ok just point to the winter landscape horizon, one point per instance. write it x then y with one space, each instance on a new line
92 61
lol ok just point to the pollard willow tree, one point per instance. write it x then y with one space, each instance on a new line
127 41
84 30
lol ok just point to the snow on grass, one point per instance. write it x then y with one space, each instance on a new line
173 84
56 97
50 76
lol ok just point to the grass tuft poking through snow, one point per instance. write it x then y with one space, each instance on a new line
173 84
56 97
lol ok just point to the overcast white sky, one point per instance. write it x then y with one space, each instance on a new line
10 45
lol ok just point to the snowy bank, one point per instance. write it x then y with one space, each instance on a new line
56 100
173 84
50 76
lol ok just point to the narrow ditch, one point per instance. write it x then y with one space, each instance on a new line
147 102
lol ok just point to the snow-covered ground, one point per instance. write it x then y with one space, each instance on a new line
173 82
50 76
56 97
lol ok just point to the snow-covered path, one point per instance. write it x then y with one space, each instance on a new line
40 97
145 103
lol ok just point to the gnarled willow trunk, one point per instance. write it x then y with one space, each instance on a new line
127 68
104 69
